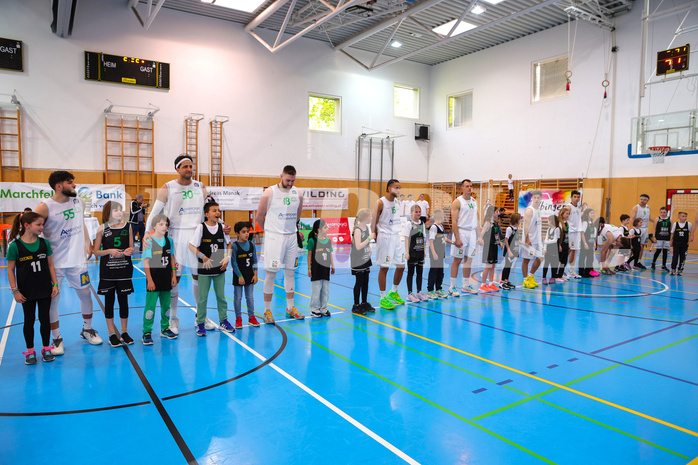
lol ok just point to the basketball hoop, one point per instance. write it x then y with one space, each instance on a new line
658 154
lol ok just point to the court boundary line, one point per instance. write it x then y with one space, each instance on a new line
8 326
559 386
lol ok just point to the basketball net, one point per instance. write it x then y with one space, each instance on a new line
658 154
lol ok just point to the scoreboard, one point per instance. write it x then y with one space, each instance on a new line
126 70
673 60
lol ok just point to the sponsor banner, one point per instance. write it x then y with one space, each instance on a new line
338 229
325 199
552 202
16 196
236 198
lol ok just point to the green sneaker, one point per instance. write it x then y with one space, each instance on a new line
395 297
387 304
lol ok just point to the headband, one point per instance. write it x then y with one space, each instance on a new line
177 165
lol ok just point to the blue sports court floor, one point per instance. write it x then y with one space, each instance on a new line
601 371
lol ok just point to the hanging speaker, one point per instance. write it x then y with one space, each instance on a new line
421 131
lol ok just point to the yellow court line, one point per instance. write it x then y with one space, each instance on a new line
560 386
694 461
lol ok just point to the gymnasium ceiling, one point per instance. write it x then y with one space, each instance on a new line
374 25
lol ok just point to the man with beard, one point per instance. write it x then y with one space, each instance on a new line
65 230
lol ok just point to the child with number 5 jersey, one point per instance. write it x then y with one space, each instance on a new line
34 285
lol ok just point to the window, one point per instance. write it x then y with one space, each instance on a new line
549 79
406 101
460 110
324 113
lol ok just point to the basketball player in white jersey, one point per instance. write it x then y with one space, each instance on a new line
66 232
575 233
390 246
532 247
641 210
465 237
182 201
279 211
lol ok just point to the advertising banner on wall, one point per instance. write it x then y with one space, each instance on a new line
236 198
325 199
16 196
552 202
339 232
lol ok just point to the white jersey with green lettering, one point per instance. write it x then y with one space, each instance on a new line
185 204
389 221
467 215
63 230
282 211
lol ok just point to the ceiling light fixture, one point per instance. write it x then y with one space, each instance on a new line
444 29
248 6
396 44
478 10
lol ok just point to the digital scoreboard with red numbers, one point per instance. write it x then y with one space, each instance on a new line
126 70
673 60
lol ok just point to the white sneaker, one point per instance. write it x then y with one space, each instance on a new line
174 324
58 348
470 289
576 275
412 297
209 325
453 292
422 296
90 335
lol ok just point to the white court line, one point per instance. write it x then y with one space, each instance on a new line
317 396
6 333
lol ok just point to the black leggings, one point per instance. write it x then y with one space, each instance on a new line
436 276
361 287
44 321
411 267
508 262
563 259
636 249
586 260
679 257
552 260
109 298
665 255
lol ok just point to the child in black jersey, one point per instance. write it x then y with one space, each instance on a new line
635 244
320 266
511 250
212 248
361 261
114 246
29 256
680 233
586 256
414 233
161 277
662 236
489 238
437 252
244 272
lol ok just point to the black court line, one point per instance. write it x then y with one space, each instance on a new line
643 336
71 412
161 409
266 362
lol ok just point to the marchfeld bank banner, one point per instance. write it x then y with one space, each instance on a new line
16 196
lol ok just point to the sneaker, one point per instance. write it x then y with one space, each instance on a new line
533 282
174 324
395 297
226 327
470 289
368 307
442 294
627 266
90 335
637 268
679 272
453 292
58 348
673 273
147 339
493 287
315 314
201 330
114 340
422 296
412 297
327 314
545 281
128 340
653 266
269 318
29 358
358 309
168 334
253 322
387 304
433 296
641 266
293 313
528 284
664 268
485 288
46 355
594 273
238 323
209 325
577 275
